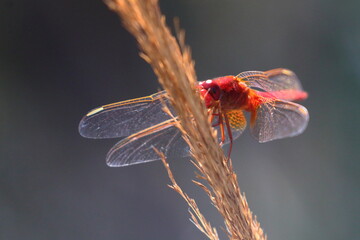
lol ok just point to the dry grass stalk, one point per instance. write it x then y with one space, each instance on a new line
175 71
196 216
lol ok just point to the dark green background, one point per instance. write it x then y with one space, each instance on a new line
59 59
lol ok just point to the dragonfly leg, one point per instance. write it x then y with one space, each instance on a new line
214 113
222 129
220 122
217 122
230 135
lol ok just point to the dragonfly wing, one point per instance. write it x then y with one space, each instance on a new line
139 147
237 123
125 118
278 83
278 119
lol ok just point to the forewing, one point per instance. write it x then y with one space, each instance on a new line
139 148
280 83
125 118
279 119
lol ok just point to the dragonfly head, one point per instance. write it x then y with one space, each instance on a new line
210 92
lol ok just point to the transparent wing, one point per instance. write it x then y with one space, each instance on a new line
278 119
138 148
125 118
278 83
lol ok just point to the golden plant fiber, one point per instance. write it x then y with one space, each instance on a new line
172 63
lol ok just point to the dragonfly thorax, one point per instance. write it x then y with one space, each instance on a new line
227 91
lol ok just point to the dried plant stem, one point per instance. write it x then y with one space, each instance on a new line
196 216
175 71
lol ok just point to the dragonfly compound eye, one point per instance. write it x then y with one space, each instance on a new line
215 92
212 89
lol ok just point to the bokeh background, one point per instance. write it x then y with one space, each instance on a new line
59 59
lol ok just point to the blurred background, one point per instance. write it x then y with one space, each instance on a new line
59 59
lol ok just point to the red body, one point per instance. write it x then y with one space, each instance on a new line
235 94
232 93
290 95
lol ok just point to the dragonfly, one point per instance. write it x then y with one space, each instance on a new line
144 125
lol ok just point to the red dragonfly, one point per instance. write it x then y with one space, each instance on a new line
266 96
